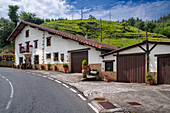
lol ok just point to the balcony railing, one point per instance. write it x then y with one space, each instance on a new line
24 50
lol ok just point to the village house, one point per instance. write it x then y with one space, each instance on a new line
133 62
36 45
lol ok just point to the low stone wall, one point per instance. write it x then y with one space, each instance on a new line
111 75
6 63
59 66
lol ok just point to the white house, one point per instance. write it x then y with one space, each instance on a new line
35 44
130 64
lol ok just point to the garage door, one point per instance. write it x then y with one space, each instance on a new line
76 60
164 70
131 68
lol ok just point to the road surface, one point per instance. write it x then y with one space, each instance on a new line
22 92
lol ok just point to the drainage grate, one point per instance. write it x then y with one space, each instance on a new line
134 103
107 105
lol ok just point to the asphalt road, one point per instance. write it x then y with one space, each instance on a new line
22 92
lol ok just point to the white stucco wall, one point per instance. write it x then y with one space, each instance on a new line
109 57
159 49
58 44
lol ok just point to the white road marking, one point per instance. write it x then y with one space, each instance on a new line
65 85
81 97
39 74
12 92
34 73
93 108
45 76
7 107
73 90
50 78
58 81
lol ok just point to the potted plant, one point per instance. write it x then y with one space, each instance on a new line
149 78
35 67
42 67
48 65
84 64
13 65
55 68
93 71
65 66
106 78
18 66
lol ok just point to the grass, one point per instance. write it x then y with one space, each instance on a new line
113 33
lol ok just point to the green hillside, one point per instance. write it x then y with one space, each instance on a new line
113 33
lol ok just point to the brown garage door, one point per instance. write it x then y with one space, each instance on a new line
131 68
164 70
76 60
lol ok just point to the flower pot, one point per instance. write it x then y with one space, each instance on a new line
35 68
107 80
55 69
84 66
48 68
13 66
150 82
42 68
65 69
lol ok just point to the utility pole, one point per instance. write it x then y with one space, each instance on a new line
138 35
147 52
100 30
81 13
110 16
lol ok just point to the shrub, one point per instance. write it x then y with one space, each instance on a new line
94 69
84 62
13 64
149 77
48 65
55 66
42 66
65 65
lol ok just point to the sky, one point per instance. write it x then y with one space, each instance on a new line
71 9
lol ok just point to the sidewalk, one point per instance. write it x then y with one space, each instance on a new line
153 99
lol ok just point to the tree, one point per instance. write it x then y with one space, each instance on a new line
26 16
91 17
13 15
140 25
6 27
38 21
150 26
131 21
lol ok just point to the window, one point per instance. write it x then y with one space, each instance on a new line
48 41
36 43
27 47
20 60
36 59
109 66
62 57
20 48
55 57
48 56
27 33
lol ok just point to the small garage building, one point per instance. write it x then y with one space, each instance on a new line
133 62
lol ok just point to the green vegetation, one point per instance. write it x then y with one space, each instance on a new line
84 63
114 33
149 77
65 65
48 65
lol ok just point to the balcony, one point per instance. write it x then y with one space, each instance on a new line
25 51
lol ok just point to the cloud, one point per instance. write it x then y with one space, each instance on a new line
146 11
42 8
62 9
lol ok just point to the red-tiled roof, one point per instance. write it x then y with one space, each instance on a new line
82 40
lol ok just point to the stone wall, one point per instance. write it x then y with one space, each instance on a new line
59 66
6 63
111 75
